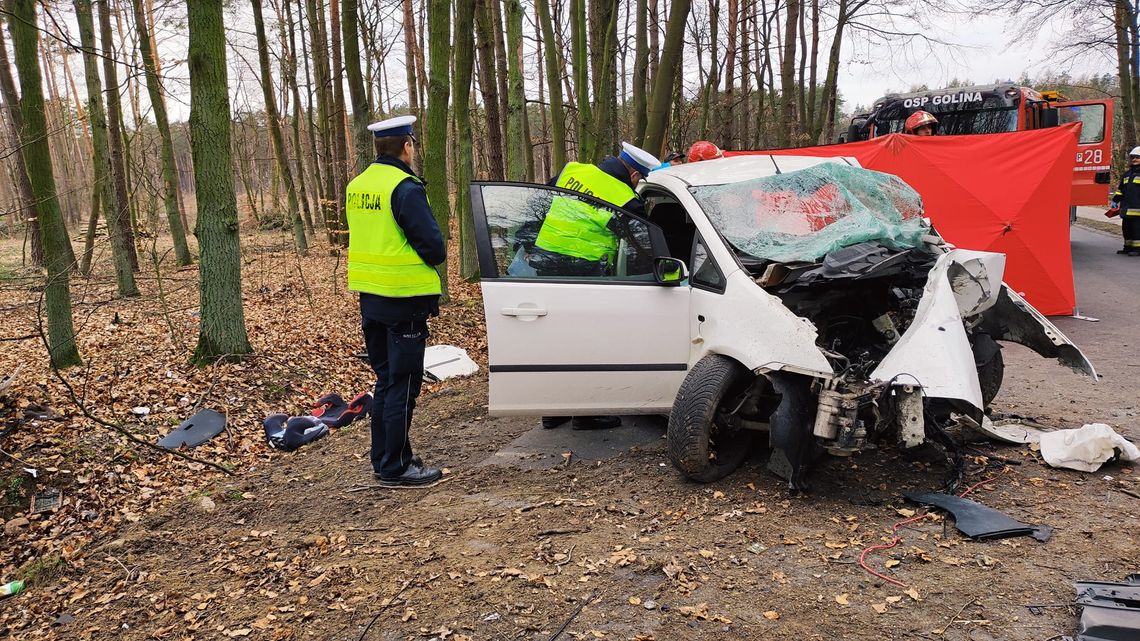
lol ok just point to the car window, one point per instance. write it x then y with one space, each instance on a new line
545 233
704 271
1091 118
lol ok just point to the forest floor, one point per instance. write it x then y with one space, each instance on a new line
531 531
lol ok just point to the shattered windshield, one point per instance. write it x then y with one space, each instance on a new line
803 215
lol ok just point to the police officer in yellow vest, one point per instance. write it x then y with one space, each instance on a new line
577 239
393 243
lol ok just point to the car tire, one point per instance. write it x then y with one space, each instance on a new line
700 446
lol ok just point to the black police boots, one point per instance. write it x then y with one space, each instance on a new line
414 475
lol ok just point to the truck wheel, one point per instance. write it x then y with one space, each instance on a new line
702 443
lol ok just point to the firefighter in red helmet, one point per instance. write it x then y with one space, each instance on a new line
704 150
921 123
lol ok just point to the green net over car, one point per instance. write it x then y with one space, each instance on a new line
803 215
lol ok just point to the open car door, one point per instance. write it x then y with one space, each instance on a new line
1091 173
563 343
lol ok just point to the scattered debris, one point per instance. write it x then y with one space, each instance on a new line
204 425
46 501
11 589
442 362
974 519
1087 448
1014 430
288 434
1111 611
141 411
7 381
333 411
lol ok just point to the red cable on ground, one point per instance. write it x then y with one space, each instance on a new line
895 541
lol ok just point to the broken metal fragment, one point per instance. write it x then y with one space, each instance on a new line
976 520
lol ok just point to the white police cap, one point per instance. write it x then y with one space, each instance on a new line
398 126
641 160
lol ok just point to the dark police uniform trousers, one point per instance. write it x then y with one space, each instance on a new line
395 335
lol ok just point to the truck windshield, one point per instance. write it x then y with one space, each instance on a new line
806 214
953 123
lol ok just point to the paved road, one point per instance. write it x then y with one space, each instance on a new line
1096 213
1108 288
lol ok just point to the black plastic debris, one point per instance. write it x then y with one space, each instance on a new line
199 428
978 521
1111 611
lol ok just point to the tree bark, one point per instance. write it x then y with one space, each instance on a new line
788 77
222 327
659 106
812 108
319 46
603 56
289 63
23 184
554 83
727 128
361 111
337 126
278 140
640 68
518 138
461 89
488 86
1124 77
37 158
830 82
581 79
501 73
158 107
122 230
435 156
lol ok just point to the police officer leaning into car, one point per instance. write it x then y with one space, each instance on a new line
577 239
1127 199
393 244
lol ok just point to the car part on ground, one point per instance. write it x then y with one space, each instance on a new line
204 425
288 434
978 521
1110 611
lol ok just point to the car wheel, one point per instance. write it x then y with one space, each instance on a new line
703 444
990 365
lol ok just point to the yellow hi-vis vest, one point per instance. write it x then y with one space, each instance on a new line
380 260
578 229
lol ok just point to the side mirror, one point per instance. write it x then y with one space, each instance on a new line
1050 118
669 271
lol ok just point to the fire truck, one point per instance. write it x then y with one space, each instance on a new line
987 109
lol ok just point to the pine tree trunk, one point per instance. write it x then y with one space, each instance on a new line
501 73
659 106
290 65
123 230
158 107
435 156
581 79
320 49
461 88
554 82
101 159
712 83
1127 106
517 136
830 83
410 60
812 108
484 30
275 135
37 158
602 59
788 77
727 133
641 68
337 126
23 184
361 111
222 330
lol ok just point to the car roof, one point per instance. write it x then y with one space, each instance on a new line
723 171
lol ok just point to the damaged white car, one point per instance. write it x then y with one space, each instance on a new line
804 298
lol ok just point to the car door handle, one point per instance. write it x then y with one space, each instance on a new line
533 312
